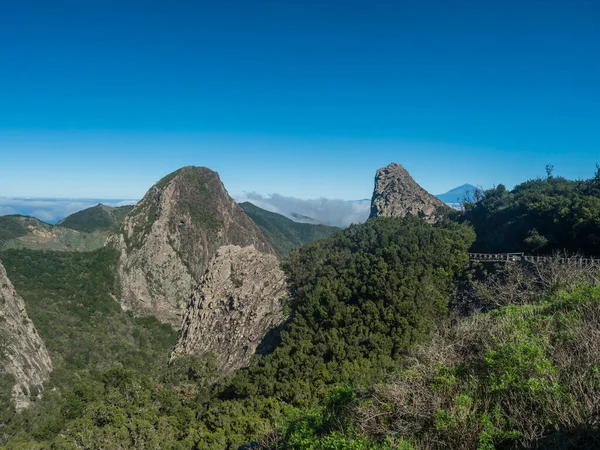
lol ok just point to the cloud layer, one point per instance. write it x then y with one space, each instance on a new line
340 213
51 210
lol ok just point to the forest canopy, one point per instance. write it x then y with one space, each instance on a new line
538 216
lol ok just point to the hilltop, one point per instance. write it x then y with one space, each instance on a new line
458 194
396 194
28 232
85 230
168 239
97 218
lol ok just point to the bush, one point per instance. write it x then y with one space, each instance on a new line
539 216
508 377
359 299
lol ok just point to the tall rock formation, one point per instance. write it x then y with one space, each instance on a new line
23 354
238 301
168 239
396 194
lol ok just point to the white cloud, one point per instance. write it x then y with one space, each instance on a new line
340 213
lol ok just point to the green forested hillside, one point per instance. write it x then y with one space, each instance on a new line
68 298
370 357
522 376
538 216
28 232
83 231
97 218
282 233
359 300
13 227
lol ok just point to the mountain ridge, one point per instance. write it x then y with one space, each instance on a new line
283 233
459 193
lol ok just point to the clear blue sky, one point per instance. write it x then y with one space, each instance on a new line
299 97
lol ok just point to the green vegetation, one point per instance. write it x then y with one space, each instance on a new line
359 299
391 342
538 216
97 218
21 232
520 376
195 198
284 234
11 227
68 297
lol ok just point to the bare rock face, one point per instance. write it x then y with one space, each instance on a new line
238 301
396 194
23 354
167 240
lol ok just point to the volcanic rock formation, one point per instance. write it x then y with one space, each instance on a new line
396 194
23 354
168 239
238 301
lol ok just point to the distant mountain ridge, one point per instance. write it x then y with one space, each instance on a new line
52 209
285 234
457 194
85 230
97 218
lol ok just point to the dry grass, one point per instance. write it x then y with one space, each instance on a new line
524 283
552 396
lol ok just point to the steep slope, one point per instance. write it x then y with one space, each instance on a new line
282 233
97 218
28 232
238 301
170 236
23 355
396 194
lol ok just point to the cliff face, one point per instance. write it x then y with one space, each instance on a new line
238 301
396 194
169 237
23 354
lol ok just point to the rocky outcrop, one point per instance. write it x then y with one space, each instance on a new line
396 194
167 240
238 301
23 355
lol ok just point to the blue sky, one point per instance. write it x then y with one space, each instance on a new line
305 98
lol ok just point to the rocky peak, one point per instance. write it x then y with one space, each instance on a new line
238 301
167 240
23 354
396 194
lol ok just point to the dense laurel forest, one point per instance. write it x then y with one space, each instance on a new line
538 216
67 295
393 342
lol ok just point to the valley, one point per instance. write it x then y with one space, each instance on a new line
203 324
